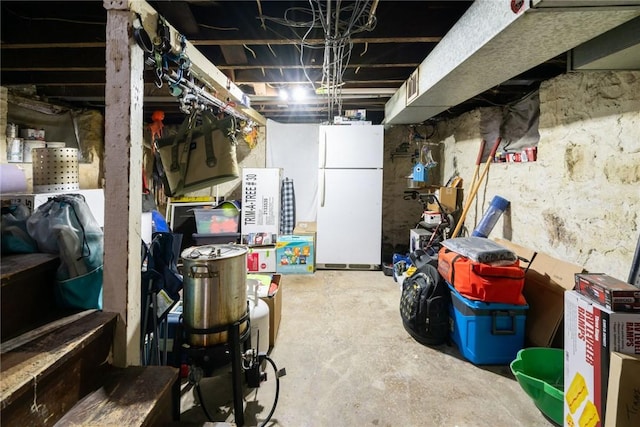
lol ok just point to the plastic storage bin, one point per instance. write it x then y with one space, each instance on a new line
215 238
212 221
540 373
486 333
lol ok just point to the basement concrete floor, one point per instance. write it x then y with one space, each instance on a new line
349 362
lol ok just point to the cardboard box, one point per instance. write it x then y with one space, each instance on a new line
295 254
450 199
608 291
261 259
546 280
308 228
623 392
303 227
274 301
591 333
260 200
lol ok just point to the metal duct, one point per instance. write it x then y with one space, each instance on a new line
491 44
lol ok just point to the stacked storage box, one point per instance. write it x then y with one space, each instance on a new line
260 219
601 323
486 333
218 225
488 310
295 254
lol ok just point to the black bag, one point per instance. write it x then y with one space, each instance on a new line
424 306
420 258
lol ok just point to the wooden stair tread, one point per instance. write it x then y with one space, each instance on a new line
129 397
16 265
27 293
24 366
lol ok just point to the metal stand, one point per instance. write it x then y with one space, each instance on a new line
204 357
236 371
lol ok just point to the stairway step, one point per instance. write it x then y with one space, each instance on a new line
27 299
45 377
21 340
133 396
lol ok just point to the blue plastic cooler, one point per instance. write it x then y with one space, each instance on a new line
486 333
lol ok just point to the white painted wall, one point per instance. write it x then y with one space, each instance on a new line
293 147
581 200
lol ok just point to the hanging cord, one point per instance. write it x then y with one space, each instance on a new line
204 407
275 399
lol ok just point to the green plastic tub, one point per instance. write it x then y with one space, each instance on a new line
540 373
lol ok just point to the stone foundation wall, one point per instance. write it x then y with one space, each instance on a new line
580 201
401 212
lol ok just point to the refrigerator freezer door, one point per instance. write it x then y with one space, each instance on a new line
349 223
351 146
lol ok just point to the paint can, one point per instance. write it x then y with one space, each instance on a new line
12 130
532 153
28 145
29 133
14 150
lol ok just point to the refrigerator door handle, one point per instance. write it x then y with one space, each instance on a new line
322 187
323 150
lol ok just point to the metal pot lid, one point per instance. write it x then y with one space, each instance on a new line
211 252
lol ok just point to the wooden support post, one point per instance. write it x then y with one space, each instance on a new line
123 180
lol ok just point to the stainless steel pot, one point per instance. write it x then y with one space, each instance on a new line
214 290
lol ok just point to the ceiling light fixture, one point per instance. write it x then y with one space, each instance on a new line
299 93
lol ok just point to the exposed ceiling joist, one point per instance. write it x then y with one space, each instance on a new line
234 42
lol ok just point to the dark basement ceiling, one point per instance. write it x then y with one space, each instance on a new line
58 50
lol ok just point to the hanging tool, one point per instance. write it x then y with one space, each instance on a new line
475 187
478 161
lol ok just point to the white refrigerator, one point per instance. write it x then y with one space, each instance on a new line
349 220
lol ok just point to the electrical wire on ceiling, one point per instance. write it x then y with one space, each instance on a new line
339 22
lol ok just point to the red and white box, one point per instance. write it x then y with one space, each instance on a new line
431 217
591 333
608 291
261 259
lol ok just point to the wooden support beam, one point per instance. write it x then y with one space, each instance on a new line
320 42
124 92
234 42
224 67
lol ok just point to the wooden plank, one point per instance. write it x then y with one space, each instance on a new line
26 295
44 378
231 42
42 330
134 396
124 125
16 265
